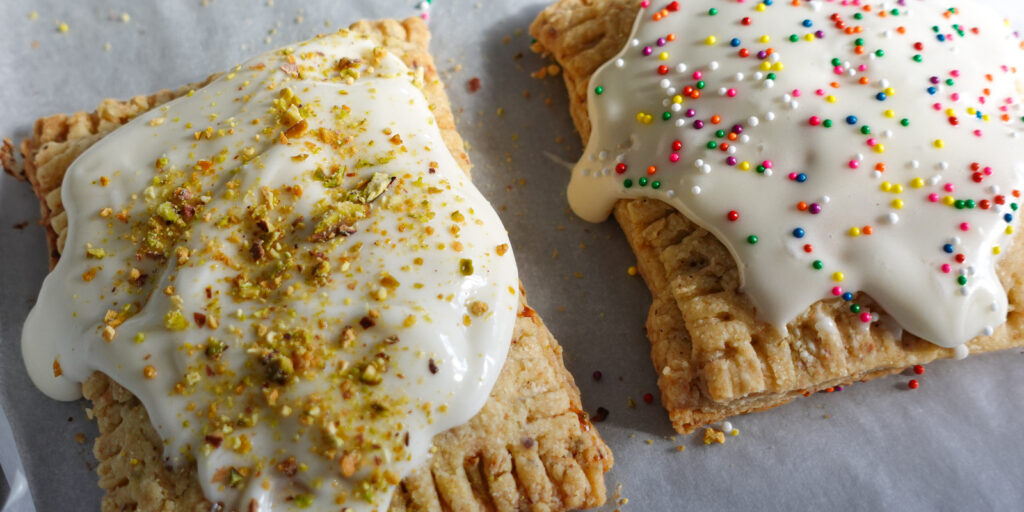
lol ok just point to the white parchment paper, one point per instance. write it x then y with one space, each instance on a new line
956 443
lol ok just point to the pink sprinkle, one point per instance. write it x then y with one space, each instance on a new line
837 290
820 92
767 164
796 93
981 99
674 157
814 120
425 16
977 133
955 96
937 106
987 171
862 67
792 175
697 75
955 73
731 93
933 197
645 3
838 70
946 268
948 187
871 142
965 226
854 164
865 317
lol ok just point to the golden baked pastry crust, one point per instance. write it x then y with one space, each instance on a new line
713 358
530 447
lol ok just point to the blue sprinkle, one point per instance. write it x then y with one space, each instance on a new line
847 296
798 232
978 115
948 248
1008 217
851 119
768 2
808 23
881 96
735 42
932 90
801 177
941 38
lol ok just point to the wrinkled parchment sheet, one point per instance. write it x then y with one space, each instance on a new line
955 443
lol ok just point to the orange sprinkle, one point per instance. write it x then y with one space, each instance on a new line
864 80
802 206
858 50
724 146
835 85
670 37
880 167
652 169
902 30
867 230
732 136
716 119
695 94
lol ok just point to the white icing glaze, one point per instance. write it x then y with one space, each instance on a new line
776 105
427 265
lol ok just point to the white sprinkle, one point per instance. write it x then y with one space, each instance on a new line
860 157
666 102
884 83
955 240
705 169
680 122
971 270
892 217
731 150
934 180
670 193
695 190
989 331
887 34
794 104
603 155
961 352
887 134
994 189
914 164
876 174
635 42
744 138
964 291
993 307
770 116
722 91
825 200
619 63
699 163
753 121
672 91
681 68
758 75
664 83
767 172
739 77
943 166
726 426
775 57
676 107
713 65
768 84
787 97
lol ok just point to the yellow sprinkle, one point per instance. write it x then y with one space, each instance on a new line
735 432
837 277
917 183
830 98
63 27
897 189
809 37
677 99
939 143
890 114
854 231
760 7
879 148
885 186
663 55
631 270
766 66
32 16
897 203
950 112
985 118
972 110
765 38
948 200
996 250
778 66
889 91
1009 230
744 166
711 40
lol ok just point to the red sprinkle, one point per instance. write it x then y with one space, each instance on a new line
918 369
733 215
913 384
648 398
597 375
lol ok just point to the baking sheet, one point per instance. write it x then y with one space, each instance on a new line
954 443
